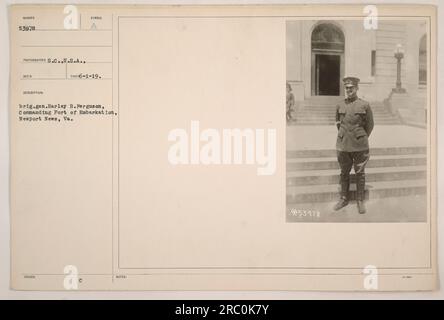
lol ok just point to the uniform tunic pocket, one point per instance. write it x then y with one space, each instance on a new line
359 132
341 132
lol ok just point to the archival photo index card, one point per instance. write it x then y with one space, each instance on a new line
149 147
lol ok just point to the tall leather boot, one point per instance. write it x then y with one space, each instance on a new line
345 187
360 192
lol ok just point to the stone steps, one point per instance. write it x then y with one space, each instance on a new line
325 122
315 104
375 161
307 115
332 113
313 175
313 153
330 123
377 189
318 177
331 120
321 111
333 107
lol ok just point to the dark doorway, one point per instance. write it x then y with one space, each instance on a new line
327 60
328 73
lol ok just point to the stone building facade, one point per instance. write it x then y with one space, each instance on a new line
321 53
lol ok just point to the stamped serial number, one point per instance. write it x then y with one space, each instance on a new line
305 213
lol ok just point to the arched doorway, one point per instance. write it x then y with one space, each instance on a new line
327 60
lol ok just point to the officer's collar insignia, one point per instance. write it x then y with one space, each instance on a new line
351 99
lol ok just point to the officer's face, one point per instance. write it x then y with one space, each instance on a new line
350 90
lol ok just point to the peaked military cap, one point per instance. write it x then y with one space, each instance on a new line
351 81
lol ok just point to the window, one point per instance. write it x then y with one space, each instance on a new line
373 63
327 37
423 60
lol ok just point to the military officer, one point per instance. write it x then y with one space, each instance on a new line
354 120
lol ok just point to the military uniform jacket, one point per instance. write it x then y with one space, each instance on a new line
354 119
